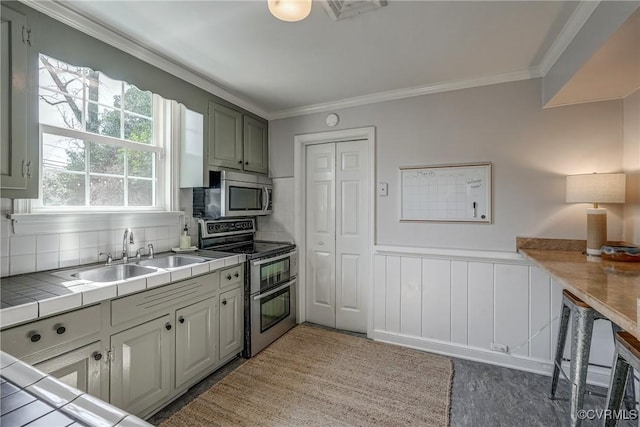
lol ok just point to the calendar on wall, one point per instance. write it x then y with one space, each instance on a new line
452 193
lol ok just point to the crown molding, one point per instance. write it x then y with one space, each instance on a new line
70 17
407 93
575 22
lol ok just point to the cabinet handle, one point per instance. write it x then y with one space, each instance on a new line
224 302
60 329
168 326
34 336
181 319
237 274
228 277
97 355
29 169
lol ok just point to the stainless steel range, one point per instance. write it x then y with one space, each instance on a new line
270 278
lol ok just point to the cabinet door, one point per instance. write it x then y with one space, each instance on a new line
14 165
141 365
231 321
225 136
256 146
196 339
81 368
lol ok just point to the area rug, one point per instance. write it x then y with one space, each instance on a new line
317 377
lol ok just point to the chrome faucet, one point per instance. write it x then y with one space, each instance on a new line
125 248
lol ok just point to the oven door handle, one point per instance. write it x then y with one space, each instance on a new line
273 291
271 259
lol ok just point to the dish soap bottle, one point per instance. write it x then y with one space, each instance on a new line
185 239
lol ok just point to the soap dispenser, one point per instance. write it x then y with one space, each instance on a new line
185 239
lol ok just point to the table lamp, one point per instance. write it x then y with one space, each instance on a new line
596 188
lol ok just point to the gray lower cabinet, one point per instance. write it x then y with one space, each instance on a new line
83 368
231 322
196 339
141 365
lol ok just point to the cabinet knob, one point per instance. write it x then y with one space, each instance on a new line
97 355
246 163
237 274
60 329
239 162
228 277
181 319
168 326
34 336
224 302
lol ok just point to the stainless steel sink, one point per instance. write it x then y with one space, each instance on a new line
172 261
111 273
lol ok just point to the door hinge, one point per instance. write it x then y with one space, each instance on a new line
110 355
26 35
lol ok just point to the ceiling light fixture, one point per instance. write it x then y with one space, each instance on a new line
290 10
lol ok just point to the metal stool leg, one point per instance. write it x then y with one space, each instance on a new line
619 374
630 390
562 339
580 348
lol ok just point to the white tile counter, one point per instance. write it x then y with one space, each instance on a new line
31 296
31 398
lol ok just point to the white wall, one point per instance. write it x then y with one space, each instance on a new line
532 149
631 165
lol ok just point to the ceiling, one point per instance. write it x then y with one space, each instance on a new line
284 67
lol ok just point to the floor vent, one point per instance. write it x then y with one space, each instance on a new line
341 9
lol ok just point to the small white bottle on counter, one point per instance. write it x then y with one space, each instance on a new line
185 239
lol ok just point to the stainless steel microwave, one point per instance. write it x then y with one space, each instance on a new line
233 194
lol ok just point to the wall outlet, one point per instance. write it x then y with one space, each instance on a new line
502 348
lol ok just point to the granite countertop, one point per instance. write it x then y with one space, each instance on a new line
31 296
29 397
610 287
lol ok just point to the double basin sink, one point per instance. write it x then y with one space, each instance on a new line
115 272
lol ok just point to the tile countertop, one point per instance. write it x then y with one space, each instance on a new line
31 398
31 296
610 287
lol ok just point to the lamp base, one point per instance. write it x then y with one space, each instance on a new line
596 230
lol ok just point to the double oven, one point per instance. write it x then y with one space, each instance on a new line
271 278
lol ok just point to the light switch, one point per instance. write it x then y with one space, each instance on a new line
383 189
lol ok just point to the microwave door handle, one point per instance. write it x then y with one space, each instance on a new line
265 198
278 289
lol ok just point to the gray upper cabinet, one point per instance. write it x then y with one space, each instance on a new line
18 161
237 141
256 146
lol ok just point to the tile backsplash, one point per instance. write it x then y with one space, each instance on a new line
280 225
29 253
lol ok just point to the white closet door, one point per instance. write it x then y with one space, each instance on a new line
320 234
352 235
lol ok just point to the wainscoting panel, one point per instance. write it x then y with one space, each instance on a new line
460 303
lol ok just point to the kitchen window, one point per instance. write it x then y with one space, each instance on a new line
101 139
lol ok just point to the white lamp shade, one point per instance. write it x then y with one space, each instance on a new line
290 10
596 188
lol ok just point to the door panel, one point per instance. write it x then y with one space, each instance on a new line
352 239
231 315
225 136
196 339
320 234
140 371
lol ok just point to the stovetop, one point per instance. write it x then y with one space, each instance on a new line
255 249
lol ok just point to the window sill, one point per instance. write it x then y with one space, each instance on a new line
48 223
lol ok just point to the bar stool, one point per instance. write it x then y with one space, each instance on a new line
626 356
581 332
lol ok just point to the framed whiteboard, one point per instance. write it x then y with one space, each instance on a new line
451 193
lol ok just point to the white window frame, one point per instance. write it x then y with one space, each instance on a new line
158 146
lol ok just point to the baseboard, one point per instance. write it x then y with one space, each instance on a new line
597 376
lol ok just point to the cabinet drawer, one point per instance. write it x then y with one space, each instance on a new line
166 297
232 277
37 336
